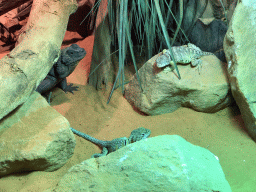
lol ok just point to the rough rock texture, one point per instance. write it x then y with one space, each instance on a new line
206 90
22 70
240 50
163 163
7 5
34 137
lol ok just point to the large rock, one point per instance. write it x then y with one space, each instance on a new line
23 69
163 163
206 90
240 50
34 137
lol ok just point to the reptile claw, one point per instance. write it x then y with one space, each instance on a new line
70 89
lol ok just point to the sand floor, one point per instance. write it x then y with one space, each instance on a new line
223 133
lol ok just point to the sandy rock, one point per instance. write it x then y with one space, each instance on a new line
240 49
22 70
206 90
34 137
163 163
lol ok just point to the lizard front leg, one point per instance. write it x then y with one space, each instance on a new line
197 63
104 152
67 88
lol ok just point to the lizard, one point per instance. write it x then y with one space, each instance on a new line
184 54
66 64
115 144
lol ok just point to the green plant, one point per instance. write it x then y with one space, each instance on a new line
149 20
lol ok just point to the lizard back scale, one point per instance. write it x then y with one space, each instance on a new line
183 55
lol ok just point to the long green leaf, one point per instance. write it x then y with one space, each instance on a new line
121 43
166 35
94 8
179 24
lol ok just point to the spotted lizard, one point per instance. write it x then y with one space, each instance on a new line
184 54
115 144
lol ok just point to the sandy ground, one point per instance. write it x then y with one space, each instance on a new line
222 133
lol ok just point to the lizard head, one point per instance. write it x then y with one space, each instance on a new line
71 56
164 59
139 134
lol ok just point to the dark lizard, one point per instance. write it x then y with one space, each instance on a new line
113 145
67 62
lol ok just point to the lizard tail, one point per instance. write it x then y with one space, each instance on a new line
89 138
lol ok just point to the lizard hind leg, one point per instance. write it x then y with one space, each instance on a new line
104 152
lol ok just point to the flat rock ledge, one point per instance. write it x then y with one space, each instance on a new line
162 163
34 137
205 89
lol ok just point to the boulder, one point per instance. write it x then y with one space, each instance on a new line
23 69
163 163
240 51
204 89
34 137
